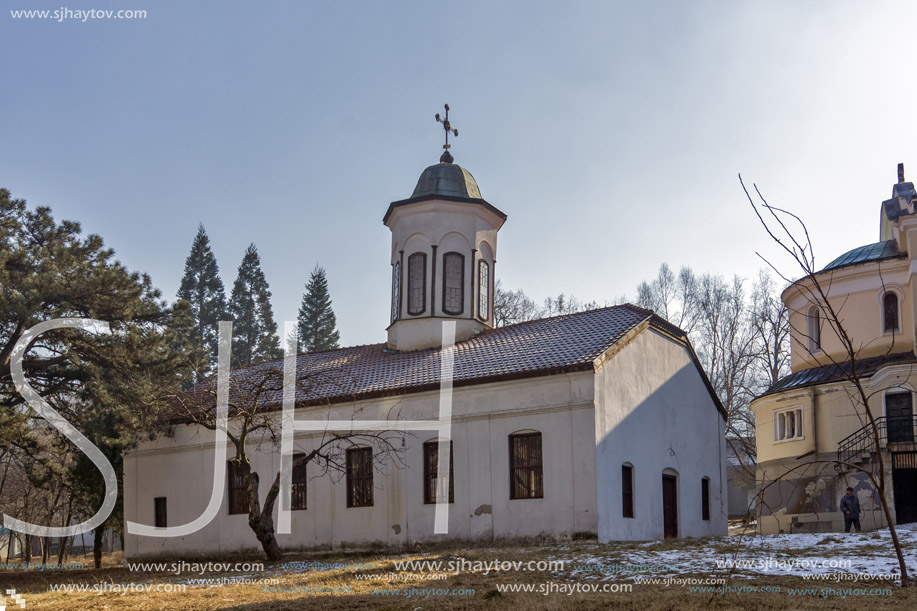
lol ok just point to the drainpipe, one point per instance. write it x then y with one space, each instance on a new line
814 423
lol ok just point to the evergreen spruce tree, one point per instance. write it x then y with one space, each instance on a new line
202 288
254 332
317 323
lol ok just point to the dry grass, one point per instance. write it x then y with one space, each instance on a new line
37 586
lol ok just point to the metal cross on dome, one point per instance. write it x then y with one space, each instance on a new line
446 156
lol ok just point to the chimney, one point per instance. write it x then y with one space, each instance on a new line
900 173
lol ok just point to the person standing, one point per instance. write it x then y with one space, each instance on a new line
850 507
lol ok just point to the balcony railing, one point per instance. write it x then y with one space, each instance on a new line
892 429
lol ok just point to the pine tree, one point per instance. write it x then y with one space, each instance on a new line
116 388
254 333
202 288
317 323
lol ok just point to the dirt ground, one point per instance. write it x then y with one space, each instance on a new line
370 580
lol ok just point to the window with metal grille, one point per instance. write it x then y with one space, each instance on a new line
525 468
890 312
298 487
483 290
159 512
396 290
705 498
453 282
627 491
417 283
238 490
432 487
360 477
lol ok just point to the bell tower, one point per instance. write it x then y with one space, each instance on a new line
444 249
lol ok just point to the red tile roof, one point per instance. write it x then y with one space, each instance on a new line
542 347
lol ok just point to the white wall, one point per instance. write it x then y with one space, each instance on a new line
560 407
654 411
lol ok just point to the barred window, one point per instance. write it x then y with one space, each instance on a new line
360 477
453 283
627 490
159 512
483 290
432 487
238 490
298 487
526 476
396 291
705 498
890 312
417 283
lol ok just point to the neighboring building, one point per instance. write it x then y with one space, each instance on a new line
812 414
740 477
599 423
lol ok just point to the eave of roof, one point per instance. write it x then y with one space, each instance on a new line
449 198
826 374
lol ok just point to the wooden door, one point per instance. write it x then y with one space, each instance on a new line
670 506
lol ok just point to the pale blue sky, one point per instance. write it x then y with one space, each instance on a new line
610 133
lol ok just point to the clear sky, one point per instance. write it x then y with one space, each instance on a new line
611 133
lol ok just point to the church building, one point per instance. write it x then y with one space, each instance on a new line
596 424
815 437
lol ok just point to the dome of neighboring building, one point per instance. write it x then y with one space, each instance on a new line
863 254
447 179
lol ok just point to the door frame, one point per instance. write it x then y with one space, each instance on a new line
674 487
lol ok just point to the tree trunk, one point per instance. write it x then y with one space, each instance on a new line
63 549
27 549
97 546
262 522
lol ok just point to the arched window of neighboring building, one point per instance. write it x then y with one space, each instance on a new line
417 283
890 312
483 290
453 283
526 476
814 329
396 290
899 416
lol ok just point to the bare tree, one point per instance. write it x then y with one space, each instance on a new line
789 232
511 307
254 421
672 297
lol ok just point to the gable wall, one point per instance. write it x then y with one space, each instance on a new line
654 411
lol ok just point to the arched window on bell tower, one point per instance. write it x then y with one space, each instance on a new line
483 290
453 283
396 291
417 283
